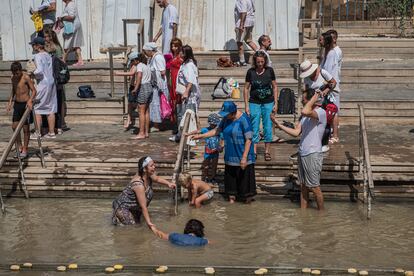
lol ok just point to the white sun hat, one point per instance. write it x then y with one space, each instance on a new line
307 69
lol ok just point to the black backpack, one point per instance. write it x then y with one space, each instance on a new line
85 92
286 104
60 71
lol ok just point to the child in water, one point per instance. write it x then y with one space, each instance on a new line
198 190
193 235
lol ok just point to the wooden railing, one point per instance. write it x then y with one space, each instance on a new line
365 163
180 162
13 141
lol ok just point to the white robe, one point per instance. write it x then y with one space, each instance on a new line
46 88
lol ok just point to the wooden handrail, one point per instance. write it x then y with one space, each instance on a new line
368 175
178 163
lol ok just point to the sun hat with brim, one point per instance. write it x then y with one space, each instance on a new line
227 108
150 46
37 41
307 69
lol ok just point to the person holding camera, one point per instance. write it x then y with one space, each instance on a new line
314 77
311 127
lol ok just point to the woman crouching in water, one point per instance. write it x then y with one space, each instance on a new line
136 197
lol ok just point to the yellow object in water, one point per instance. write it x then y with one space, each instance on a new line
316 272
61 268
28 265
15 267
209 270
118 267
162 269
363 273
259 272
73 266
409 273
264 270
109 269
352 270
306 270
399 270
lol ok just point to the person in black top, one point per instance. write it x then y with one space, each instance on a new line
260 98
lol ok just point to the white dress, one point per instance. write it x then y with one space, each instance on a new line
74 40
188 73
157 64
46 88
169 18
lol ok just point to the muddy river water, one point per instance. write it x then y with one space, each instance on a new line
268 233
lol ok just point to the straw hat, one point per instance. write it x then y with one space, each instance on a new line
307 69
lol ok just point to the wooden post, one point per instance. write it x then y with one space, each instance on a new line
314 16
111 72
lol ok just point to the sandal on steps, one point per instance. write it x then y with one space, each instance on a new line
268 157
333 140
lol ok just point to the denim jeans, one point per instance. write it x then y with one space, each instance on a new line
257 112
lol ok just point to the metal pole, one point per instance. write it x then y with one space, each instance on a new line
23 182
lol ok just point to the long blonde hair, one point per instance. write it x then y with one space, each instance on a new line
184 179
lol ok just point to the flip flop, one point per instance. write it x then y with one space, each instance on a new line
268 157
333 140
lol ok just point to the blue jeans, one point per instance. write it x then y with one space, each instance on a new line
262 111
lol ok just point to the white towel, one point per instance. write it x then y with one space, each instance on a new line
192 126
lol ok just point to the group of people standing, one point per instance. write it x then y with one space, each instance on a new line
170 86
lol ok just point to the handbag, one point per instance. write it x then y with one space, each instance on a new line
58 26
37 21
235 94
85 92
68 28
165 106
180 89
222 90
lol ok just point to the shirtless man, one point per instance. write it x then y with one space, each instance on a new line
198 190
22 85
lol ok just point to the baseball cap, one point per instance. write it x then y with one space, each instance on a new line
227 108
213 119
38 41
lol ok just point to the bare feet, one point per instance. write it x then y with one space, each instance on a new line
138 137
232 199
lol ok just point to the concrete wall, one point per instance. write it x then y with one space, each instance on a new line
204 24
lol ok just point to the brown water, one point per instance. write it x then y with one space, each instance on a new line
266 233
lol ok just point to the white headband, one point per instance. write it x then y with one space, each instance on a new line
146 162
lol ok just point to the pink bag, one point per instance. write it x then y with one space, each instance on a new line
166 109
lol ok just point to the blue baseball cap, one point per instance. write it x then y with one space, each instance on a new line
227 108
38 41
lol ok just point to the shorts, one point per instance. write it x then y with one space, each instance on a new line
132 98
246 36
145 94
18 111
309 169
209 194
